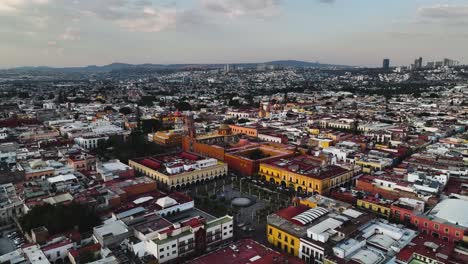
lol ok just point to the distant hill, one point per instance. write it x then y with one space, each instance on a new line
301 64
148 66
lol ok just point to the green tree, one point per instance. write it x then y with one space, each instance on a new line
125 110
60 218
87 257
183 106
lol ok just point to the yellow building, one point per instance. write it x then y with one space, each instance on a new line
375 205
321 142
369 165
314 131
179 170
286 227
282 240
167 138
305 174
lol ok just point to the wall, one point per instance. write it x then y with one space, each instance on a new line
447 232
140 188
376 208
281 175
292 244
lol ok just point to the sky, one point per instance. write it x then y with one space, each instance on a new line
351 32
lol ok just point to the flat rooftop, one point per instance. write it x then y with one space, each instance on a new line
189 214
448 210
246 251
167 163
308 166
151 224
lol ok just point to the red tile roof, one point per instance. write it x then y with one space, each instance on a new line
290 212
250 251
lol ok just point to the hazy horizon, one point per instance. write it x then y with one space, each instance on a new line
77 33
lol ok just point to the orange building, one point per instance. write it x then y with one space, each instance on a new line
211 145
167 138
82 162
246 162
247 130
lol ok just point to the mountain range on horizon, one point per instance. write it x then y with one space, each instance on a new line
124 66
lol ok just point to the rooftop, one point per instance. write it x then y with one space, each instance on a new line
449 210
245 251
152 223
113 228
308 166
176 163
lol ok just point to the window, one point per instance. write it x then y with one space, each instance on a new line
279 235
286 238
173 246
270 231
292 242
425 224
457 234
436 226
173 252
446 230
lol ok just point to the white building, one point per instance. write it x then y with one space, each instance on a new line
57 249
11 205
64 182
90 142
8 157
324 233
35 255
179 239
378 242
111 233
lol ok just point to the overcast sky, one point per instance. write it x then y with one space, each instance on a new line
352 32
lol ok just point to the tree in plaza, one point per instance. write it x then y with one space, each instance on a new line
60 218
87 257
125 110
257 154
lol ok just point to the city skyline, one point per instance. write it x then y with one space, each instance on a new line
84 32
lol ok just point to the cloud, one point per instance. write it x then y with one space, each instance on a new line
71 33
327 1
447 14
237 8
139 15
151 20
7 6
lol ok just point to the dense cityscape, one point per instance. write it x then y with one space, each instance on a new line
233 132
280 162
